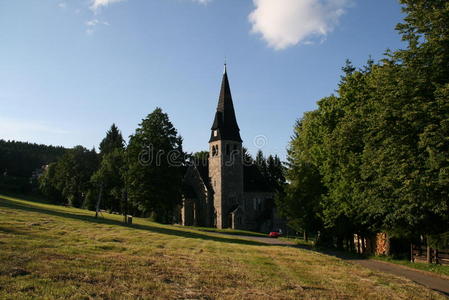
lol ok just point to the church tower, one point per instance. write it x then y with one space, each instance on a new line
225 161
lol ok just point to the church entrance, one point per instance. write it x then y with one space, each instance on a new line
230 221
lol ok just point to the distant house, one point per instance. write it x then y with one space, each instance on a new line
223 191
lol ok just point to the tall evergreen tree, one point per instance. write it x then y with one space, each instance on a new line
154 157
109 178
261 163
112 141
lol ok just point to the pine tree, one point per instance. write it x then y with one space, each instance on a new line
112 141
154 159
109 178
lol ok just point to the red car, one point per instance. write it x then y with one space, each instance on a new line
274 234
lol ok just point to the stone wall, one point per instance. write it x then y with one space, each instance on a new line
226 175
200 204
254 205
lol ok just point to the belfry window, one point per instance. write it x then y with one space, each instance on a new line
228 149
214 150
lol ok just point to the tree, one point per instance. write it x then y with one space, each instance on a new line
112 141
275 173
300 203
21 164
261 163
201 158
154 159
109 179
246 157
377 148
48 184
70 176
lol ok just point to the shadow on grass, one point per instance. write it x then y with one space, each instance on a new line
279 242
168 231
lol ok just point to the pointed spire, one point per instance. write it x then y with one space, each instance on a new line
225 125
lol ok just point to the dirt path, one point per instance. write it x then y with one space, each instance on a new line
427 279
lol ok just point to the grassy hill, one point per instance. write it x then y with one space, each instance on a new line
49 251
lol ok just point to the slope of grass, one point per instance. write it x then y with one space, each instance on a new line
59 252
228 231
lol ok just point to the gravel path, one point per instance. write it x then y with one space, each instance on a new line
427 279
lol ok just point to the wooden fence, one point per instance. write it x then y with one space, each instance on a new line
422 253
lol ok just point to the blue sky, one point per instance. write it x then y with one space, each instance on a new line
70 68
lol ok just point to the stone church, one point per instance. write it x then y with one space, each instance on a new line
224 191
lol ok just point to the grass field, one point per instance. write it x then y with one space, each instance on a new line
59 252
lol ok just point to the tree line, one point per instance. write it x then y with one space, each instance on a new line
121 178
374 157
20 164
141 178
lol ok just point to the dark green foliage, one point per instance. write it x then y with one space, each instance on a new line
21 163
261 163
276 173
247 158
200 158
68 180
110 176
154 175
301 202
271 168
374 157
112 141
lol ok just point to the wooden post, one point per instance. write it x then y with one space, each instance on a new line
412 258
363 244
97 208
359 250
435 256
429 258
125 206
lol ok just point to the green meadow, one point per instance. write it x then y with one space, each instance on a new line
56 252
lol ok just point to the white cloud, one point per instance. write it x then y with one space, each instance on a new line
202 1
285 23
92 23
95 4
62 5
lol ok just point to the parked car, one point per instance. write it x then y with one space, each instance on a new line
274 234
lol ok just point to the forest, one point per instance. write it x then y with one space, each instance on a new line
374 156
21 163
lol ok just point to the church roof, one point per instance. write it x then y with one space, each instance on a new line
225 122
